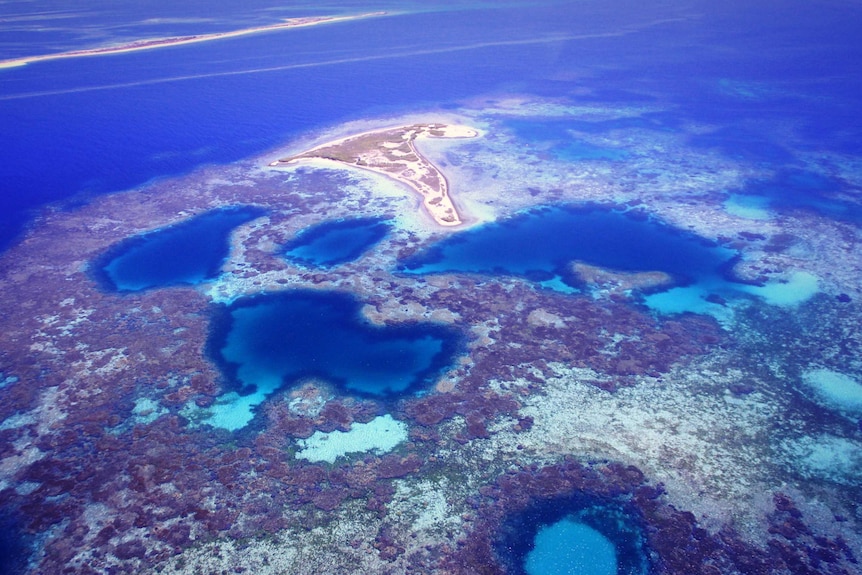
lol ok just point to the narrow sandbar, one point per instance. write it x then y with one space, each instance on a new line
151 43
392 152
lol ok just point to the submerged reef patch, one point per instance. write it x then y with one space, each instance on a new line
270 340
792 190
185 253
557 136
335 242
650 534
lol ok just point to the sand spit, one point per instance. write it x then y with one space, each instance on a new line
392 152
151 43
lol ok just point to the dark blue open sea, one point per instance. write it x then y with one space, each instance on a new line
88 126
767 94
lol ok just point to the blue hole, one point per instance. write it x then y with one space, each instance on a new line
578 535
337 242
185 253
269 340
541 243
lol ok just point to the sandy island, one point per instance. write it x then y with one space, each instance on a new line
151 43
392 152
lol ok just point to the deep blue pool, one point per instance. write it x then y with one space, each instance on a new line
579 535
185 253
269 340
335 242
540 244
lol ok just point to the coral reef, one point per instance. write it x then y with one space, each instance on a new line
688 422
676 542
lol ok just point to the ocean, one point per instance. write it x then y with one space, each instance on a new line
642 344
89 126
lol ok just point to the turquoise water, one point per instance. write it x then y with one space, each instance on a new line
337 242
541 243
185 253
269 340
574 535
571 548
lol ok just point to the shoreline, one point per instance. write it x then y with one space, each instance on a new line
392 152
153 43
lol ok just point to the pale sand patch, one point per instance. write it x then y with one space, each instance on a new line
825 456
835 389
799 287
379 435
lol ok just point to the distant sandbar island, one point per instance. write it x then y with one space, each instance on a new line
392 152
149 44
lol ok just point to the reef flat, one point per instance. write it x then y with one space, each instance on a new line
725 438
392 152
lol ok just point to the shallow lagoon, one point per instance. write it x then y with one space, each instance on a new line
541 244
185 253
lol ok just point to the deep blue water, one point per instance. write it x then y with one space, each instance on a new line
539 244
185 253
89 126
14 545
335 242
276 339
543 526
83 127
